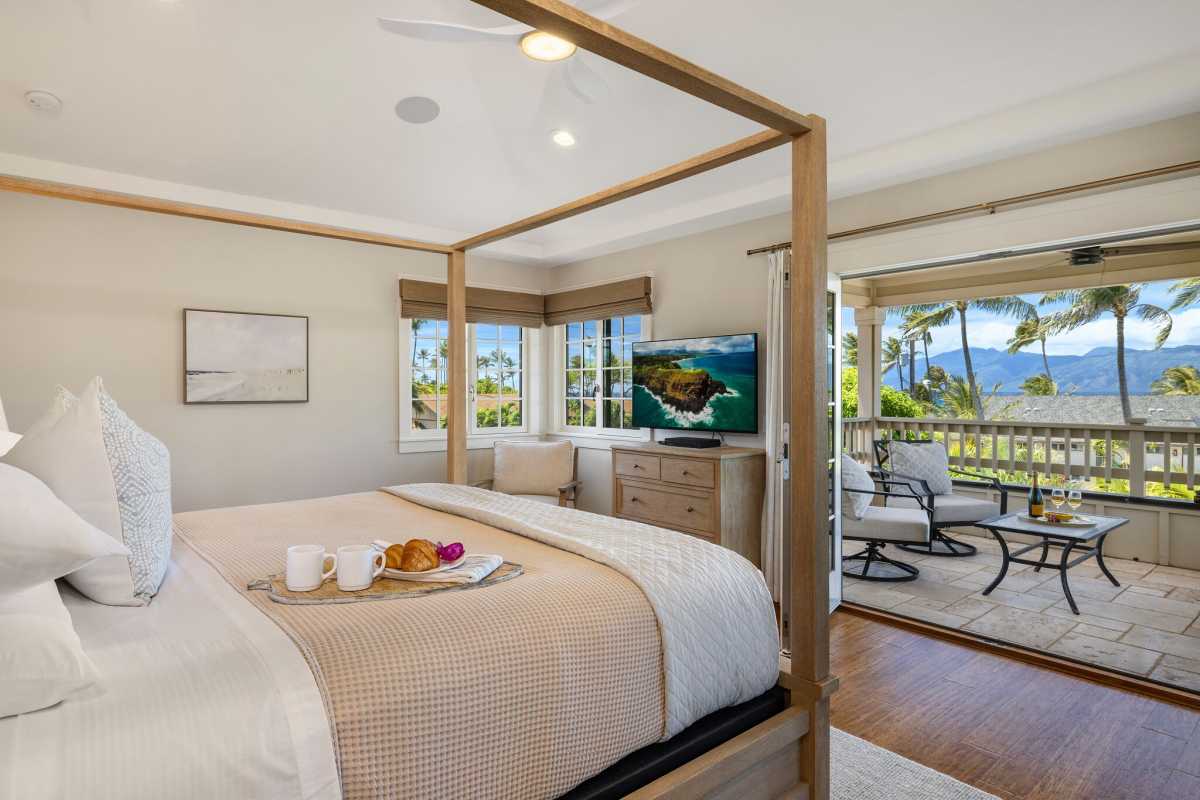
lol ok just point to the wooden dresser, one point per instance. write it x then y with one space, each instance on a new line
714 493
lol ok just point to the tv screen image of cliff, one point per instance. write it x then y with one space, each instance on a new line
704 384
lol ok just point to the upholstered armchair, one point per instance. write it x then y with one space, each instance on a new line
541 471
880 525
926 465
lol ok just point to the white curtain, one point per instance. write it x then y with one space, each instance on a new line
779 262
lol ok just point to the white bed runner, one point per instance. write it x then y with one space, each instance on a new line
720 642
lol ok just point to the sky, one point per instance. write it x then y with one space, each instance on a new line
227 342
993 331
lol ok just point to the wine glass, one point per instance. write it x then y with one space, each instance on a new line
1075 499
1057 497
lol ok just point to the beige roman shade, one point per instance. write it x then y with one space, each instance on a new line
426 300
599 302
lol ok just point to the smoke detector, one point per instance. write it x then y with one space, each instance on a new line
43 102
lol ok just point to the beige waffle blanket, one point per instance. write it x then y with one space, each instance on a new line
518 690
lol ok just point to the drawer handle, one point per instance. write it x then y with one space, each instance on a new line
633 499
690 509
685 472
637 466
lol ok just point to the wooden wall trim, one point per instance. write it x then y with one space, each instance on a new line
456 368
155 205
743 148
621 47
1037 658
809 521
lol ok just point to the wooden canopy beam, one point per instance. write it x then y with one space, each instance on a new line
156 205
742 148
567 22
456 367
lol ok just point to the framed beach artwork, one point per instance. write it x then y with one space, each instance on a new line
238 357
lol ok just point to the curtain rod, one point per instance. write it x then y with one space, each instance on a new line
992 206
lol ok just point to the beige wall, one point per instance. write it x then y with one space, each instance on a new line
705 284
88 290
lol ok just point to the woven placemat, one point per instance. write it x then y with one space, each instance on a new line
381 589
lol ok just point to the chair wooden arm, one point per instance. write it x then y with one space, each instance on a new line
566 493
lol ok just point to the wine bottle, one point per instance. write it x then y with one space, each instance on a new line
1037 504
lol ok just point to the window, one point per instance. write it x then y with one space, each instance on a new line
597 373
498 400
499 377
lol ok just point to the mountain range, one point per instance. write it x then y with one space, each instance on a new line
1094 372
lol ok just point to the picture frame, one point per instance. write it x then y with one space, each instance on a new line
244 357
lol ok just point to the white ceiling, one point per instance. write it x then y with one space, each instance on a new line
286 106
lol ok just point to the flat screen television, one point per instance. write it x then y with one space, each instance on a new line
708 383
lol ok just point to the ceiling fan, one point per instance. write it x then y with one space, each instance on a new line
577 77
1088 256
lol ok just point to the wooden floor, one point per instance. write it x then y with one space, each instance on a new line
1012 729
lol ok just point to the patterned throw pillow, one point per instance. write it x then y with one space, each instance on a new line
855 476
925 460
114 475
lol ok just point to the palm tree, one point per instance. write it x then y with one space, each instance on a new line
1039 385
850 348
1030 330
936 315
1177 380
1089 305
1187 293
893 356
914 329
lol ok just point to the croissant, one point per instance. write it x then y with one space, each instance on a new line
394 555
419 555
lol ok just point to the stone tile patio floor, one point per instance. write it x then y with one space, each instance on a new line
1147 626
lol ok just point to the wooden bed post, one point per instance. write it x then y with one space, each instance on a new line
809 446
456 367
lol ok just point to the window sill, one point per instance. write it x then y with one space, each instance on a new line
475 442
598 441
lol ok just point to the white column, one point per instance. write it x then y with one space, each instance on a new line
870 342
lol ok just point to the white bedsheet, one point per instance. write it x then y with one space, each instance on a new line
201 696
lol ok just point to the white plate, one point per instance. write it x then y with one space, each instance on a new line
1074 522
445 565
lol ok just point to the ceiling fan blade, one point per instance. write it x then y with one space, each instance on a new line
433 31
1143 249
583 81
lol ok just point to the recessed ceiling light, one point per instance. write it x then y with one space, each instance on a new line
563 138
542 46
418 110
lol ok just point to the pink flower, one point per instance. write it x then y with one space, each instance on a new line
450 552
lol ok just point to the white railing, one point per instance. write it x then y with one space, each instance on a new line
1134 453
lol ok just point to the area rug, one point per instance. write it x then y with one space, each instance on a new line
862 771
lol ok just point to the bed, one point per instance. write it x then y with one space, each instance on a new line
520 689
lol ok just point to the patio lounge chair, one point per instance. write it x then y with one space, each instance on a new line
925 464
880 526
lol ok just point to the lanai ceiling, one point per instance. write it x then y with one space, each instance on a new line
287 106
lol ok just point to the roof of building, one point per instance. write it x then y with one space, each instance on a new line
1095 409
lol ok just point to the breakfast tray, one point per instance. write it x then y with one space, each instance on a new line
381 589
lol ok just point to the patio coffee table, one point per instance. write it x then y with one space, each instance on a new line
1070 539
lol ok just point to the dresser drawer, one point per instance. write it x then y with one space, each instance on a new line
688 471
673 510
636 465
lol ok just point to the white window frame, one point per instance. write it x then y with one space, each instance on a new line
591 436
426 441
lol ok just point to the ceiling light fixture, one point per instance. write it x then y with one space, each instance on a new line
542 46
563 138
418 110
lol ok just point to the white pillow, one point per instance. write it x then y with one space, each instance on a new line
925 460
40 537
7 440
41 660
855 476
532 467
114 475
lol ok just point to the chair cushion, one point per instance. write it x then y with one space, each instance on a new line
925 460
854 476
888 524
550 500
951 508
532 467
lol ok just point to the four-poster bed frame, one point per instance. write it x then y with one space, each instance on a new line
788 755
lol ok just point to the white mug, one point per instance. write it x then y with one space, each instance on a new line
306 567
356 568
